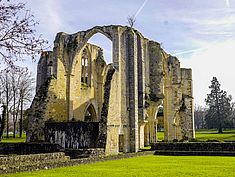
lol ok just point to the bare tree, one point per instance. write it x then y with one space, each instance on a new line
199 117
15 77
25 94
131 20
17 87
17 32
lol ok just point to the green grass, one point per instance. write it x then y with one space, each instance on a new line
146 166
160 136
204 135
17 139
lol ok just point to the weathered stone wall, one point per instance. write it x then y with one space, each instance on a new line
195 146
81 94
35 130
105 107
42 165
45 68
29 148
9 164
187 98
74 135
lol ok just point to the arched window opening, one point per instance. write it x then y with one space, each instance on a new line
160 123
85 74
104 43
90 114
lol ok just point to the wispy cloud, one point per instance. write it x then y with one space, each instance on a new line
52 16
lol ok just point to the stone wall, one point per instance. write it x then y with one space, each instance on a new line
44 164
73 135
195 146
105 108
35 130
29 148
14 163
187 98
45 68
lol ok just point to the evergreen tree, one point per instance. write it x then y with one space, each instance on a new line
220 108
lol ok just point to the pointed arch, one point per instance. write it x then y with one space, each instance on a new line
86 66
90 114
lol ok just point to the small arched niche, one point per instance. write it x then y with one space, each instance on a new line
90 114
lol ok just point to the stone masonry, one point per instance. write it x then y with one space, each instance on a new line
74 83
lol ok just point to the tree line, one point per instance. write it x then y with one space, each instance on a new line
16 91
18 40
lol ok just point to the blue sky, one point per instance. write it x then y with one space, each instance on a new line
201 33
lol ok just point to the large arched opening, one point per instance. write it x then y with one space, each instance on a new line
104 43
160 123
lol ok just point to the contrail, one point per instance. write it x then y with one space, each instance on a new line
189 51
140 9
227 3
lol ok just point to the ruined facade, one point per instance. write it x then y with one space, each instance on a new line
128 98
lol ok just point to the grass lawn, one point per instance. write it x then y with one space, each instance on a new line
13 140
146 166
227 135
160 136
204 135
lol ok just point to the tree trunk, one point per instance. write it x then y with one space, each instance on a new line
21 117
220 127
14 112
7 110
7 117
3 118
14 129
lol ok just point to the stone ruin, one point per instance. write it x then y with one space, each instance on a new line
81 102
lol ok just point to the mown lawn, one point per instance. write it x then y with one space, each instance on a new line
151 165
160 136
204 135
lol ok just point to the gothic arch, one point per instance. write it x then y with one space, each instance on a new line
79 50
86 66
85 36
90 114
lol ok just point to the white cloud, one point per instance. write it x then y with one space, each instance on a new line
228 3
51 16
217 60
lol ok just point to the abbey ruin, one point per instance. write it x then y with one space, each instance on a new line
81 102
